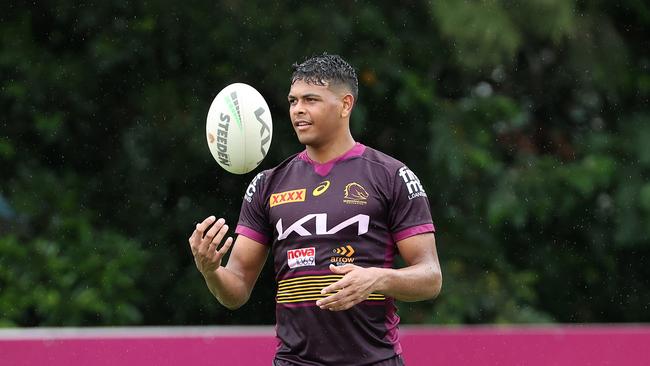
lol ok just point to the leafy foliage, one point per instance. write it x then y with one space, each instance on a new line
527 122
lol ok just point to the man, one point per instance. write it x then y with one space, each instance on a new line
333 218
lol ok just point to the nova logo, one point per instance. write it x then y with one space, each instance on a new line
301 257
297 195
362 222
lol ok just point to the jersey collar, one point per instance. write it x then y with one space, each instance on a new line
325 168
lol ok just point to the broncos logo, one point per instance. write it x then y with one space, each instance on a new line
355 194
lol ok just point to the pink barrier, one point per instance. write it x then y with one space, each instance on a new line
531 346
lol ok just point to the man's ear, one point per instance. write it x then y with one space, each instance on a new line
348 103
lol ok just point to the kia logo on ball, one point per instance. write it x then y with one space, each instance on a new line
264 128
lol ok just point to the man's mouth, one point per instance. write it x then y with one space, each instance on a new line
302 125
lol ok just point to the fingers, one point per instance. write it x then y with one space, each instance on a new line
328 301
205 239
216 240
355 287
215 234
225 247
342 300
336 292
343 282
197 234
343 269
212 237
336 286
210 234
200 228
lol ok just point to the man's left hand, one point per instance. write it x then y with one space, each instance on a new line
355 286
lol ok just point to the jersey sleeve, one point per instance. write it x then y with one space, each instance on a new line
253 217
409 211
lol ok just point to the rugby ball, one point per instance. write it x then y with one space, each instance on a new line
239 128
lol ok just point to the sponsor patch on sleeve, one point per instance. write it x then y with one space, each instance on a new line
250 191
412 182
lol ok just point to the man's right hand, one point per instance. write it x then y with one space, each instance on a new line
204 244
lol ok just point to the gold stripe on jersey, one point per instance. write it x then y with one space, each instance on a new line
299 279
308 288
311 283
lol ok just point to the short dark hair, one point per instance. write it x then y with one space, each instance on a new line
326 69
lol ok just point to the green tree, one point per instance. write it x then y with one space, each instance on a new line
526 122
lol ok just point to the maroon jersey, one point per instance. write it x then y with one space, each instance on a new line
350 210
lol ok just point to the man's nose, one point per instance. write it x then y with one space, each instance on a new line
298 108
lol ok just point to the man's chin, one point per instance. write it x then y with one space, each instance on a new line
305 140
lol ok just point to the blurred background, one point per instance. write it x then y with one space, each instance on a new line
527 122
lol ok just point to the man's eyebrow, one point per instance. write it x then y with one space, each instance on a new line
308 95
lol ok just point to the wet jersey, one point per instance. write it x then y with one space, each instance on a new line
350 210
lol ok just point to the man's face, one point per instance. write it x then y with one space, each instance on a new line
315 113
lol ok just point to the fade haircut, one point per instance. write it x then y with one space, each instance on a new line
326 70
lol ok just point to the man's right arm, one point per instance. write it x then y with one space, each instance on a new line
232 284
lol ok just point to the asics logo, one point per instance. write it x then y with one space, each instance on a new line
362 222
321 188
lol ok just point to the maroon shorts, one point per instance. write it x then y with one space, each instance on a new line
394 361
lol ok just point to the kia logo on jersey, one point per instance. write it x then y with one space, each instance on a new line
361 220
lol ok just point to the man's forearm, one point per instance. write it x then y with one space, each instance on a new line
414 283
229 289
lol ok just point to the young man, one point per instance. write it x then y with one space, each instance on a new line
333 218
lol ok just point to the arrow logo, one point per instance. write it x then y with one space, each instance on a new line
347 251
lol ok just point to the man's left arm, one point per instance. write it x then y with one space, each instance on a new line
421 279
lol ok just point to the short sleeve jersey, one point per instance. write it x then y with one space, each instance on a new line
350 210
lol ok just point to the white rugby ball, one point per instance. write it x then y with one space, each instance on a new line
239 128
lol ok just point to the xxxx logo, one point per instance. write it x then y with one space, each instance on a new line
297 195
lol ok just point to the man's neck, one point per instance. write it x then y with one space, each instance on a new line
332 150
